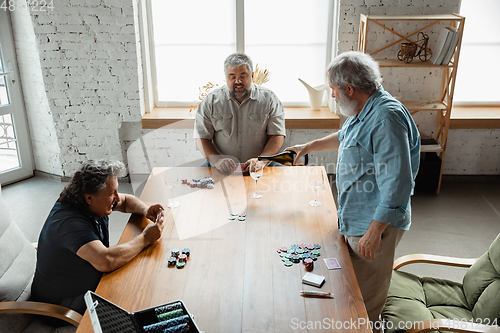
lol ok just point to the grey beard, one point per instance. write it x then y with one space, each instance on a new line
347 106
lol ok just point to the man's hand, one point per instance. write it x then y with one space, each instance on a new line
225 165
153 231
301 150
368 244
155 212
259 164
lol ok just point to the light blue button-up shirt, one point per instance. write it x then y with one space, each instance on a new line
378 160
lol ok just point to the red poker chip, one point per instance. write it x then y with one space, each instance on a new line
279 250
283 249
310 247
182 257
308 261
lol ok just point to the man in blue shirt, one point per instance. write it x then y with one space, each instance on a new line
378 159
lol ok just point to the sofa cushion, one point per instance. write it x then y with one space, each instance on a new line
482 285
439 292
17 259
451 312
414 299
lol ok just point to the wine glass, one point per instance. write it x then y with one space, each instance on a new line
256 171
316 181
171 180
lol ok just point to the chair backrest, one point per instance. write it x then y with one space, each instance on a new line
482 285
17 259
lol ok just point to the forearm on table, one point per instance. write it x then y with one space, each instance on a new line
208 150
273 145
121 254
108 259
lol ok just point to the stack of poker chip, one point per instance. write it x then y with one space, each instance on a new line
240 216
301 252
206 182
177 258
309 263
171 319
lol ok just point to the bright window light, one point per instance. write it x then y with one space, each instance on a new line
478 70
289 38
192 38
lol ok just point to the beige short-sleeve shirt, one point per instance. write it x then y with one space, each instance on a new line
240 130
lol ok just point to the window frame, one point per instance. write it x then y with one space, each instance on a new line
148 57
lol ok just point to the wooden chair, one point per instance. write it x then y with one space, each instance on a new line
423 304
17 267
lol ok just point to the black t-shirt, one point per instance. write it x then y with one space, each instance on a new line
61 274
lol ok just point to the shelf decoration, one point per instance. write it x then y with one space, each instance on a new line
409 50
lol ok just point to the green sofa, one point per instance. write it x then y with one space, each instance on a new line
425 304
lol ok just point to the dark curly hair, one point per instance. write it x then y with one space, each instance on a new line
90 179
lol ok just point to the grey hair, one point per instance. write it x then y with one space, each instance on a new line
238 59
355 68
90 178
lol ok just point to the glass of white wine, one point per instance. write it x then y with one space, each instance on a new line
171 180
256 171
316 181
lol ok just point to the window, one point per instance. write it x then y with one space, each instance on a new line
289 38
478 69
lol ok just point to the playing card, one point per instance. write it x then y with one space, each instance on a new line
332 263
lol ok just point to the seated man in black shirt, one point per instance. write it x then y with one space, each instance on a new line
73 247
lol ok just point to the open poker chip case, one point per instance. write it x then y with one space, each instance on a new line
107 317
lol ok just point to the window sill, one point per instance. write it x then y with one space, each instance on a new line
295 118
462 117
475 117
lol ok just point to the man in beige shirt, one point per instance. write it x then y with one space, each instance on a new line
240 120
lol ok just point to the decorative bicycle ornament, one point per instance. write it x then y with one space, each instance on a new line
409 50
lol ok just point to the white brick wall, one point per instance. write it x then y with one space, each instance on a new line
46 151
86 99
88 62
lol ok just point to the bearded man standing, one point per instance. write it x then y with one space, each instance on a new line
378 159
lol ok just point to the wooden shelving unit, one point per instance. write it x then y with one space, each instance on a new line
442 106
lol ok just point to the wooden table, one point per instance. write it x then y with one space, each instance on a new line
234 280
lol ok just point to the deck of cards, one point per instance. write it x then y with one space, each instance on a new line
313 279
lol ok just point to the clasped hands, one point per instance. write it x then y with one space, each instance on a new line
153 231
228 165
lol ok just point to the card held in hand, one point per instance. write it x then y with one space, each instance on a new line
313 279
